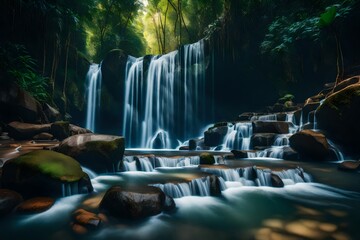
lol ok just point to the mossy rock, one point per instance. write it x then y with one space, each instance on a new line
101 153
339 117
207 159
44 173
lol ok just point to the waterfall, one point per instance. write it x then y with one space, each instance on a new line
251 176
93 79
150 163
196 187
165 98
282 140
269 117
238 136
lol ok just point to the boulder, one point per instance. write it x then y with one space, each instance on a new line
19 105
262 139
35 205
60 130
8 201
290 154
310 144
51 113
101 153
75 130
24 131
270 127
45 173
134 203
215 136
339 117
43 136
345 83
276 181
207 159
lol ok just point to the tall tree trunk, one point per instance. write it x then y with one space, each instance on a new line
67 45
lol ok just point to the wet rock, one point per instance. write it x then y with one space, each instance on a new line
310 144
349 165
270 127
60 130
169 204
309 108
290 154
43 136
35 205
245 116
184 148
51 113
207 159
45 173
8 201
276 181
339 117
239 153
262 139
133 203
86 219
24 131
197 144
215 189
101 153
345 83
281 117
215 136
19 105
75 130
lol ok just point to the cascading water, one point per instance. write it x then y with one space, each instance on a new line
168 104
149 164
93 79
238 136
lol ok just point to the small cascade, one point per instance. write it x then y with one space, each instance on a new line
93 80
268 117
336 150
196 187
89 172
238 136
282 140
251 176
165 98
273 152
150 163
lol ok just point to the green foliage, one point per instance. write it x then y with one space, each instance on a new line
305 22
20 67
328 17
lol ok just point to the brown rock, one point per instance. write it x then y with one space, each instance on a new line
349 165
133 203
35 205
310 144
86 219
270 127
276 181
23 131
43 136
8 201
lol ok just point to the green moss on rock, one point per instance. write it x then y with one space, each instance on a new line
53 164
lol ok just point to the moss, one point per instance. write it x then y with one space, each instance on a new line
207 158
342 98
53 164
105 146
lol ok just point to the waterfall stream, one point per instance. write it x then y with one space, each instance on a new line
93 80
